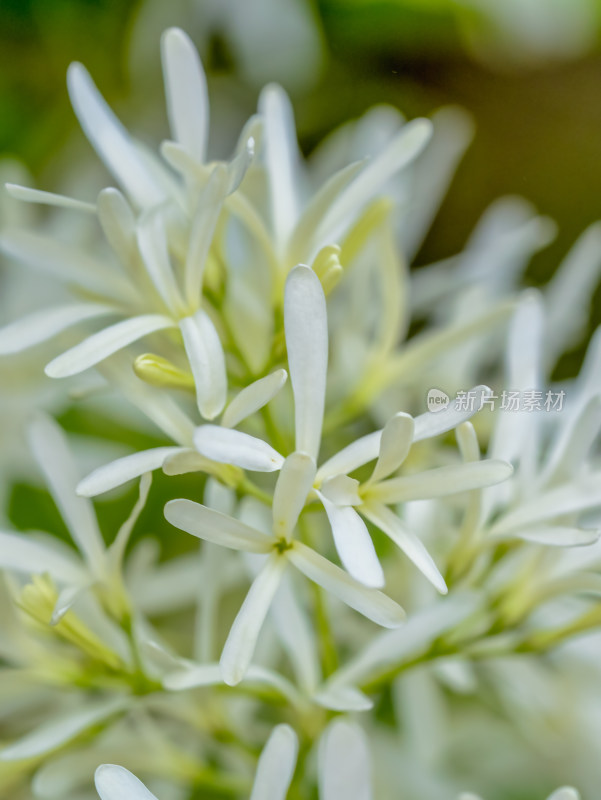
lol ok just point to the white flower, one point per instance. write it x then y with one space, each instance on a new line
305 320
489 269
553 484
282 550
29 389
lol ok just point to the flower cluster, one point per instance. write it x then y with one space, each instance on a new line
275 301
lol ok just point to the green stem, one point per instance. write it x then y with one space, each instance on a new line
329 652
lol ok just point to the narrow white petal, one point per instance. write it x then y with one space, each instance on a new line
117 549
351 457
276 765
297 634
117 783
65 600
49 446
370 602
103 344
564 793
205 221
400 152
220 497
213 526
118 224
557 536
571 287
588 378
427 425
467 441
444 339
515 435
572 498
69 264
44 324
342 491
410 544
52 735
228 446
65 774
48 198
434 424
354 544
157 406
251 135
242 638
395 444
212 583
260 676
572 446
291 490
345 770
301 246
253 397
343 698
167 588
118 472
182 162
186 89
281 153
441 481
207 362
110 139
306 327
193 677
525 342
152 241
185 461
27 556
409 641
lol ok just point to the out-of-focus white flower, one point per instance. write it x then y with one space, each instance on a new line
274 772
272 40
99 567
29 388
344 768
564 793
529 32
555 483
